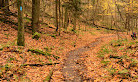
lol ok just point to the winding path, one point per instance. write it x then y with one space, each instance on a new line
71 67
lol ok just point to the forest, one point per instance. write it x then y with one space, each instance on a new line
68 41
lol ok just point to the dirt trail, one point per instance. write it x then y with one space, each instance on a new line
71 67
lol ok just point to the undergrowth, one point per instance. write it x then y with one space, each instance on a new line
119 58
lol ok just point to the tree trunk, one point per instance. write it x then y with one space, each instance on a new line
75 16
62 17
35 15
59 17
20 40
6 3
56 15
1 3
136 25
74 23
111 22
66 18
127 23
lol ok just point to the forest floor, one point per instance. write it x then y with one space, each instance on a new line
87 49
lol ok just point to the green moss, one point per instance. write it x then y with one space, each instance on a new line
112 71
53 36
36 35
92 33
125 71
105 62
134 63
131 43
117 43
122 48
39 52
43 53
46 48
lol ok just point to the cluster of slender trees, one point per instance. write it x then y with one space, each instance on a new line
72 5
117 14
4 4
35 19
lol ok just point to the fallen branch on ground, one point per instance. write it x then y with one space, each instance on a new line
39 64
48 77
41 52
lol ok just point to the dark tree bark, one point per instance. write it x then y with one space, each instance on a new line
4 3
75 15
66 18
1 3
59 17
62 17
56 15
20 40
127 23
35 15
74 22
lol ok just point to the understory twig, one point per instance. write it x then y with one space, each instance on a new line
40 64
